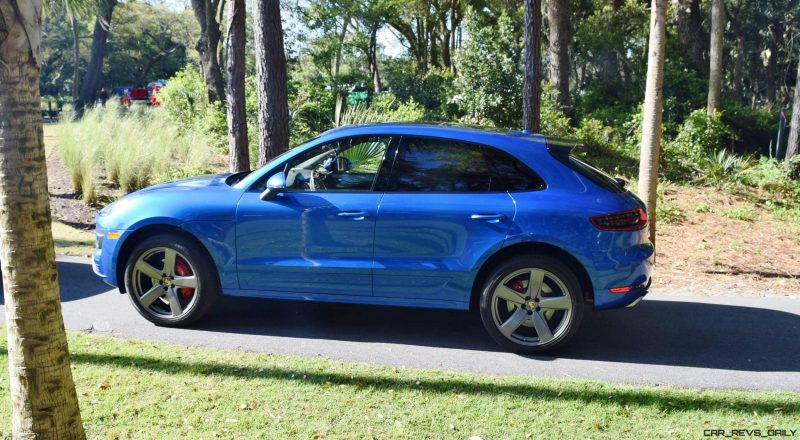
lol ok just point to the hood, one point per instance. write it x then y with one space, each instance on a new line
190 184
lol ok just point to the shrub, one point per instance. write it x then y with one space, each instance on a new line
184 96
700 135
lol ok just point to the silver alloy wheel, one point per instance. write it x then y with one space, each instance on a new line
532 307
165 283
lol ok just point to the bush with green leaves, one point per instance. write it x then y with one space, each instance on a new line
185 100
433 89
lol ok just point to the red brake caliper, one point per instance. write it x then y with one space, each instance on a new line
182 269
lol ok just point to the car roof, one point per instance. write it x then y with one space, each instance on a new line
444 130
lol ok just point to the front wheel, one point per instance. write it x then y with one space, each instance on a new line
531 304
171 280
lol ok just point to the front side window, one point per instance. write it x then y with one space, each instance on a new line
439 165
341 165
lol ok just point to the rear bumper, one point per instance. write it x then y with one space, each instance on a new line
637 276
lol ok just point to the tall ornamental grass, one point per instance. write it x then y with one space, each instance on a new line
129 149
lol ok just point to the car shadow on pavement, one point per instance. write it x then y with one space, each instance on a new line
76 281
674 333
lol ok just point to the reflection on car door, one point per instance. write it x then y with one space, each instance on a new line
436 220
317 237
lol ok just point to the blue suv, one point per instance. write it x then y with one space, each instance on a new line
391 214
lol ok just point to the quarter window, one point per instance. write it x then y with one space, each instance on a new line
509 174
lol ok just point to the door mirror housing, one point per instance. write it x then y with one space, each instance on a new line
275 186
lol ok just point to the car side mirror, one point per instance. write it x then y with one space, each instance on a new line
275 186
620 182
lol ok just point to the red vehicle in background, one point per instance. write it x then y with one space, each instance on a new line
142 95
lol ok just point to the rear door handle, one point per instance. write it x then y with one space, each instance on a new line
488 217
355 215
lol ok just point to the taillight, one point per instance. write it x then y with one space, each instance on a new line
632 220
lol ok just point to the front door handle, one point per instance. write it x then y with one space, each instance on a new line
355 215
492 218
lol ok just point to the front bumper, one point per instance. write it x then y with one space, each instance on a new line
105 255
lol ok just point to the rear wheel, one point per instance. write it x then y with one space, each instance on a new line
531 304
171 280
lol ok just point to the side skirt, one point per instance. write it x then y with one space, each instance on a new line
347 299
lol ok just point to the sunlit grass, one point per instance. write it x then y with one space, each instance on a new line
141 389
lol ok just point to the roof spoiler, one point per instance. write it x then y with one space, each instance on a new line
560 148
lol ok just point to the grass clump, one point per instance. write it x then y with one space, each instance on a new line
144 389
743 212
131 149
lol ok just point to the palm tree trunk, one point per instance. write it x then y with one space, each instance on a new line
715 56
238 153
532 86
43 399
271 82
653 108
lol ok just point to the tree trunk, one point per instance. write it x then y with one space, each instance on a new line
793 147
94 70
653 108
715 56
532 86
43 399
738 68
207 46
337 60
238 152
271 88
771 77
559 24
76 52
373 61
689 21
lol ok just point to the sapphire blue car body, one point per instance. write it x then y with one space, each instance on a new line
390 214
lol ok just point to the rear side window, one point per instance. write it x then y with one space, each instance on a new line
509 174
596 176
439 165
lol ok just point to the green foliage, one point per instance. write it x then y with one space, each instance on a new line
184 96
700 135
131 149
433 90
184 99
488 87
754 128
743 212
723 164
383 108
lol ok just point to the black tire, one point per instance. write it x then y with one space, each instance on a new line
194 303
559 281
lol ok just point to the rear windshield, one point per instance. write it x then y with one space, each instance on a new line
595 175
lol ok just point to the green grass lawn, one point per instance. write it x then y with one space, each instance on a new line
72 241
142 389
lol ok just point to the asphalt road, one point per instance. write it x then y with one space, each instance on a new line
699 342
